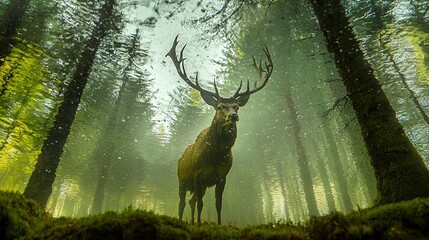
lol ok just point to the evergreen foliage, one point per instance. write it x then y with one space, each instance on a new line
128 149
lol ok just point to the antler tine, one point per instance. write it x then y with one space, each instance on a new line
238 90
270 62
257 68
196 80
180 67
215 87
268 70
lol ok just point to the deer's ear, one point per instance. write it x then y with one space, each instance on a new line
242 100
210 100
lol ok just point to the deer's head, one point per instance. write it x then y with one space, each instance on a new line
226 108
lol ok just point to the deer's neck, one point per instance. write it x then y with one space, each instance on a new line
222 136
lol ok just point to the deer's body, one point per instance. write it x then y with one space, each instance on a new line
208 159
207 162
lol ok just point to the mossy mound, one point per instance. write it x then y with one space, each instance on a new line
21 218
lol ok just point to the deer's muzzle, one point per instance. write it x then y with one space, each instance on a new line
233 117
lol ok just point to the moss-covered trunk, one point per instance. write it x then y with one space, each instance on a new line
399 169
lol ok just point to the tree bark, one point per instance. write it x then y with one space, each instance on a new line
400 171
39 186
302 160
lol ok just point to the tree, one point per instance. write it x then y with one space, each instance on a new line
8 30
412 93
381 30
106 148
9 27
324 177
399 170
338 170
302 160
39 186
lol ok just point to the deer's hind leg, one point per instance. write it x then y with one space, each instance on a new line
196 198
192 204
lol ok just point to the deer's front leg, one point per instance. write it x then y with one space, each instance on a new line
220 186
200 190
182 196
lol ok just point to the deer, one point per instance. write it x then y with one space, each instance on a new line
206 162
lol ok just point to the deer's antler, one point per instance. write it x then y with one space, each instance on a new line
212 97
259 70
243 97
180 67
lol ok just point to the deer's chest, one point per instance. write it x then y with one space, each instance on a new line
213 167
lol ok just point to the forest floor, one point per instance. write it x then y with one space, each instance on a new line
21 218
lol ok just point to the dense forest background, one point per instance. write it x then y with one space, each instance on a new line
101 66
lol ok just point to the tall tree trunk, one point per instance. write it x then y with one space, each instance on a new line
97 202
269 200
324 177
302 159
8 30
282 183
84 205
9 26
39 186
400 171
105 150
338 170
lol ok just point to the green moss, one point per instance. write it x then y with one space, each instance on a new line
24 219
404 220
275 231
20 217
129 224
213 231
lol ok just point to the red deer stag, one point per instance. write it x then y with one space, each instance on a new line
207 162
